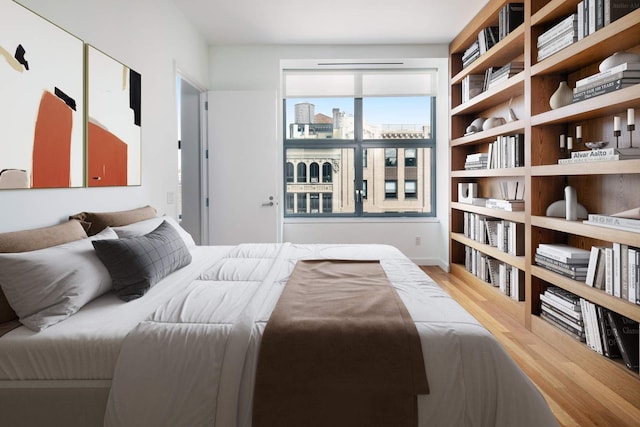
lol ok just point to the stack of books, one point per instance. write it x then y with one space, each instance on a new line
595 14
562 309
472 85
563 259
602 155
615 78
476 161
509 205
471 54
616 222
561 35
494 77
509 18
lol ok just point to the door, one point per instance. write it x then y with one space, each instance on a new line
190 161
243 167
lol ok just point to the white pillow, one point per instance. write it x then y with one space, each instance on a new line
141 228
46 286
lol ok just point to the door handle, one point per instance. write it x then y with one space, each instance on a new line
267 204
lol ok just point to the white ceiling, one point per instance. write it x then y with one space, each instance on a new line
233 22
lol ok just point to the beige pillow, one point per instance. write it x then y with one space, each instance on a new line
95 222
31 240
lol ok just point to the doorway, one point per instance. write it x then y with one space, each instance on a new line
191 200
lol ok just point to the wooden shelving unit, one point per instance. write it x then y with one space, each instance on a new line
602 187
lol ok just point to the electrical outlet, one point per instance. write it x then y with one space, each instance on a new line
418 241
170 197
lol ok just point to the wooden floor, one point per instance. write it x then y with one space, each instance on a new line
575 395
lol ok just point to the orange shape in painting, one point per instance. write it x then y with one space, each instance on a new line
52 144
107 158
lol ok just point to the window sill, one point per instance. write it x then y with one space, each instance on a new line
370 220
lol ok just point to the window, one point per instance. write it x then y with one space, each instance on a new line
326 172
390 157
314 172
410 189
289 202
289 172
352 131
302 172
410 157
391 189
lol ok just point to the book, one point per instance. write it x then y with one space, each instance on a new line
616 9
557 304
580 276
510 17
626 66
605 158
614 220
561 326
574 265
603 89
567 24
626 333
632 256
593 82
593 264
598 281
578 324
557 45
570 299
622 153
608 270
563 252
615 227
609 344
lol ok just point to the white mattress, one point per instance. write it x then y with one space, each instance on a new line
86 345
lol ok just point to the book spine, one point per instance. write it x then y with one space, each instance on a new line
609 344
614 220
632 275
616 269
608 278
606 77
619 8
567 297
625 78
600 90
615 227
579 267
568 24
564 253
607 158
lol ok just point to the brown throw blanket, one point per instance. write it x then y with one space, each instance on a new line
340 349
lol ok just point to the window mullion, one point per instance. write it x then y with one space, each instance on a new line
358 136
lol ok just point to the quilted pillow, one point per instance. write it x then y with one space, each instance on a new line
48 285
137 263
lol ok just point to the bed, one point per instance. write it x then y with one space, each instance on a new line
185 353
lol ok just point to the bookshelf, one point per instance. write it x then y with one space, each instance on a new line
602 187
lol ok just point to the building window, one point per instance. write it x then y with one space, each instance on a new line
327 173
289 203
391 189
363 124
410 189
302 172
327 203
302 202
314 203
390 157
289 172
410 159
314 172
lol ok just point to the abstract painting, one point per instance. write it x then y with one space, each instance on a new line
41 102
114 116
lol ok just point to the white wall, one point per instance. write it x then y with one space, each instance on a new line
258 68
153 38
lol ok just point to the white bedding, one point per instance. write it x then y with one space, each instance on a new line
193 362
86 345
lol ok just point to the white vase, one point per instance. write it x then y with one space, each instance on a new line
571 200
562 96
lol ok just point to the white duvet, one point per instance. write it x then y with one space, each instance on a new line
192 363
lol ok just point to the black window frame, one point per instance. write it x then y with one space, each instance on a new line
360 147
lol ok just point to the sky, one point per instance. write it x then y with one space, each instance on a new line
379 110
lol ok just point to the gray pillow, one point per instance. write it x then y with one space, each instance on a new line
137 263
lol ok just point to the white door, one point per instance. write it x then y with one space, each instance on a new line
243 167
